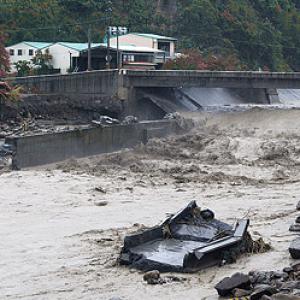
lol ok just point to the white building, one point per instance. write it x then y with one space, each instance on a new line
65 55
25 51
154 41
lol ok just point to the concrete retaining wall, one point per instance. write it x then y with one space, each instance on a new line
97 90
96 82
37 150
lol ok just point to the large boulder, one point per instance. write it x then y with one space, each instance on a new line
295 249
237 281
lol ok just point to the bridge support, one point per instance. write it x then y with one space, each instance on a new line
272 95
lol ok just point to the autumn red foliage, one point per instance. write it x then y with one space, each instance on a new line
4 57
193 59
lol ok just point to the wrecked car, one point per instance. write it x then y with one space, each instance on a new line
191 240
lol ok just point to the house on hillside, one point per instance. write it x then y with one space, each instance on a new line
154 41
25 51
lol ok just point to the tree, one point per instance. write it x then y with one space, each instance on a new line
191 59
4 57
42 62
23 67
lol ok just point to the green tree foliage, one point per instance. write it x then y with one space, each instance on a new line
23 68
261 33
42 62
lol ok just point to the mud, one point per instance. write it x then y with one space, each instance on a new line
58 243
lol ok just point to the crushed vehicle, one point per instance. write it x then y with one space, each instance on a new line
188 241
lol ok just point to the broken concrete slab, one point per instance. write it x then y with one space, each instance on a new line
189 241
295 249
227 285
298 206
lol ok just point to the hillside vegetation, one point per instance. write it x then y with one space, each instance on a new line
259 33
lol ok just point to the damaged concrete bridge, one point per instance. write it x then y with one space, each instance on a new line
151 94
211 79
189 90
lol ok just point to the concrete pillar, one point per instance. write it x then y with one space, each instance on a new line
272 95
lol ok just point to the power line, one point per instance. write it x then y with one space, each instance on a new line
98 20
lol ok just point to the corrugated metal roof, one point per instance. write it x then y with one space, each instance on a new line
78 46
151 36
130 48
134 48
156 36
38 45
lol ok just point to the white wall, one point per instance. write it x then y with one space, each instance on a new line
134 40
141 41
25 54
61 57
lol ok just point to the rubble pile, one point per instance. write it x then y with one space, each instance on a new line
257 285
262 285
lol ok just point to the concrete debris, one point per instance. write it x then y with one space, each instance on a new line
105 120
154 278
263 290
262 285
227 286
101 203
130 120
100 190
294 228
298 206
295 249
238 293
172 116
5 150
189 241
296 267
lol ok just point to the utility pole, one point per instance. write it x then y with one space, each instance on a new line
89 49
108 32
118 47
108 49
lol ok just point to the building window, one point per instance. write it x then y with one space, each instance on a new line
128 58
30 52
165 46
11 52
20 52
